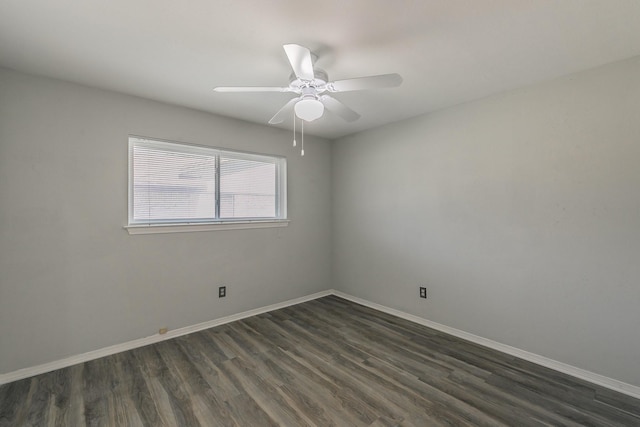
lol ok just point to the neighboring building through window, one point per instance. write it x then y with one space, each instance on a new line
173 183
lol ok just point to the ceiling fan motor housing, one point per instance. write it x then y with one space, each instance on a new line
320 80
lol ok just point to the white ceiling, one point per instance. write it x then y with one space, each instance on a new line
448 51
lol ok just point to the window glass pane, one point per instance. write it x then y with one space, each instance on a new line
247 188
172 185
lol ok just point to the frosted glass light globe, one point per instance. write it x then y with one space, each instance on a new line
309 109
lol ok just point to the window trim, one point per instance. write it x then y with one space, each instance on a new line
280 220
204 226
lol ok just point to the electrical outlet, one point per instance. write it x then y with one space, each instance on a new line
222 291
163 331
423 292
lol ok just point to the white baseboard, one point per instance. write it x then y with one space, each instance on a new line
141 342
610 383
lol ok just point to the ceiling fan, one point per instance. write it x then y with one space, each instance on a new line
312 86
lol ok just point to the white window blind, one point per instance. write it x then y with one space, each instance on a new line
173 183
247 188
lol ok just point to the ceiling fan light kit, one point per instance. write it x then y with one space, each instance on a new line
309 109
310 85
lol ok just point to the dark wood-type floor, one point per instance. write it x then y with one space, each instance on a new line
324 362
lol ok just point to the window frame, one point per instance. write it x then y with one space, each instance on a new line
208 224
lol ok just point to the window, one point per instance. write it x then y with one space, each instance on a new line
172 184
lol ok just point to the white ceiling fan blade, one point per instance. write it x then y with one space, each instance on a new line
339 109
300 59
284 112
361 83
251 89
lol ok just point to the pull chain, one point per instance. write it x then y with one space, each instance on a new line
294 129
302 137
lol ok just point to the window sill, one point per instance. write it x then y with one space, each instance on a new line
211 226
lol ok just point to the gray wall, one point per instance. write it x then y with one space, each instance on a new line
520 213
71 278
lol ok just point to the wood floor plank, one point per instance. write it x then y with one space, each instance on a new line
13 401
61 392
166 382
309 409
264 393
326 362
222 387
246 412
139 394
305 389
207 408
340 399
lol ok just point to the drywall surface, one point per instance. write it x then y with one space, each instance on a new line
73 280
520 213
